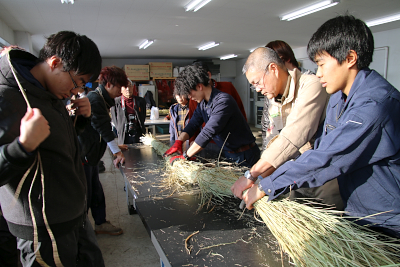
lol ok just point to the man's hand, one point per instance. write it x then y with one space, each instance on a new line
81 107
240 185
176 147
252 195
34 129
119 158
123 147
180 157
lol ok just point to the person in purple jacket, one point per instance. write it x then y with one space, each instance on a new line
224 123
359 143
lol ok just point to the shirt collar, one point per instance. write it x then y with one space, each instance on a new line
214 92
358 81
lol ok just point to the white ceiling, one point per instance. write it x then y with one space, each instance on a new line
119 26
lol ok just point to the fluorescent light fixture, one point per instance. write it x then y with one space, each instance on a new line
310 9
195 5
208 46
201 5
383 20
67 1
192 4
146 44
228 56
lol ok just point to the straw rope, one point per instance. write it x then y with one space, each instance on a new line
39 164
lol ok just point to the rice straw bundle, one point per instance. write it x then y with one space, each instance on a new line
213 182
311 236
319 237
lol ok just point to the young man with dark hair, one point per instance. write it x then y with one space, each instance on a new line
46 211
226 87
95 139
225 123
359 143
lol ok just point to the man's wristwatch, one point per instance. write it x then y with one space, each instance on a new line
185 155
247 174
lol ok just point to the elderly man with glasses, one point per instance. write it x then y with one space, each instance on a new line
297 104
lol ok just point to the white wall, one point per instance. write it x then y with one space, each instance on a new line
391 39
121 62
24 40
6 32
241 85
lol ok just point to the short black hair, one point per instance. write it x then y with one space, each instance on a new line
77 52
341 34
189 78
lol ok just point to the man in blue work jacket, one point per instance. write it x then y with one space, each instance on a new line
225 123
360 142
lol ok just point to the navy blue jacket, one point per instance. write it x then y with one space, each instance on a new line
360 145
222 116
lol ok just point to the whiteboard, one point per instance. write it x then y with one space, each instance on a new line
380 60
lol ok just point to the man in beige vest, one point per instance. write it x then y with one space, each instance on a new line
297 104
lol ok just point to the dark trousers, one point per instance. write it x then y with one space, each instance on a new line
8 246
77 248
246 158
95 195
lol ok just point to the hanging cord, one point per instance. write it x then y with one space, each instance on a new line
38 161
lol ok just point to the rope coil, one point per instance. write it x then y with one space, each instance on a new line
38 163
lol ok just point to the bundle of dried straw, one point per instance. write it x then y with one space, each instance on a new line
311 236
214 181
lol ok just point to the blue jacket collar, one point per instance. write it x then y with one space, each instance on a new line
214 92
358 81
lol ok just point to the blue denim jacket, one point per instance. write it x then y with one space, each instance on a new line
222 116
359 145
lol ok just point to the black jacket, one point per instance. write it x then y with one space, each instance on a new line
65 183
119 118
98 133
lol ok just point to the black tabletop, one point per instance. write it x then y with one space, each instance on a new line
222 238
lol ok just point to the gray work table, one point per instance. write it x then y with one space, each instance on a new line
153 123
170 218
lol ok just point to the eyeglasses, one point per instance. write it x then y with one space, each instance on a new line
75 85
255 85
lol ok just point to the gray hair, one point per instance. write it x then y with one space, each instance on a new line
261 58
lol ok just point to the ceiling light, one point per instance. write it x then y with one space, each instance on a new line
67 1
195 5
201 5
146 44
383 20
228 56
208 46
310 9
